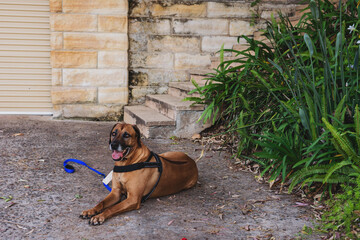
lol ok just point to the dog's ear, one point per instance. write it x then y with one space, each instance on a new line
111 132
138 137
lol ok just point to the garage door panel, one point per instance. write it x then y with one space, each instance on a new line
25 71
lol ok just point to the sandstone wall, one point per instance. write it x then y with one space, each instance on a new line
170 39
89 43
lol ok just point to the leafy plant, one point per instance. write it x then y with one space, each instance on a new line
343 212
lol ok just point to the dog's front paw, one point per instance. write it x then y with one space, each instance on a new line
88 214
97 220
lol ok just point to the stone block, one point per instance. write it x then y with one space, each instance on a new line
191 61
55 6
139 77
138 93
156 77
96 6
112 59
96 41
56 76
151 60
56 40
115 95
214 43
73 59
269 9
113 24
94 111
95 77
179 10
139 9
149 26
201 26
57 111
73 22
138 42
64 95
229 10
174 44
239 27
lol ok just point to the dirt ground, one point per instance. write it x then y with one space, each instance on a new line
39 200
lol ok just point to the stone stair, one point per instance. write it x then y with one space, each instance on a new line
167 115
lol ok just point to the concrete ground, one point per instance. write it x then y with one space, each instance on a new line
39 200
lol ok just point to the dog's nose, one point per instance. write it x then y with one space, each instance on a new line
114 146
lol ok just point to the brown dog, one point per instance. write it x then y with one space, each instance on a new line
167 174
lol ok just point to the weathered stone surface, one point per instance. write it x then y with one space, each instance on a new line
73 22
201 26
56 76
267 10
95 77
96 6
152 60
174 44
214 43
113 24
93 111
114 95
229 10
189 61
55 5
57 111
239 27
97 41
73 59
113 59
56 40
149 26
63 95
139 93
141 9
179 10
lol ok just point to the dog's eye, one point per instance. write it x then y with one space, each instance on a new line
126 135
113 134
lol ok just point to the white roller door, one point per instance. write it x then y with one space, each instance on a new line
25 72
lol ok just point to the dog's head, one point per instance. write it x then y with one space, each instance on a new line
124 138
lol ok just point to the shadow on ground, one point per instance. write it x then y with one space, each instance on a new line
46 201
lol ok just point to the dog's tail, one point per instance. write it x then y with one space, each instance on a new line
201 155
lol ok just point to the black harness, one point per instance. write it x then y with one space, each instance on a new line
146 164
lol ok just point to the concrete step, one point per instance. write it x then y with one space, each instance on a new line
151 123
169 105
182 89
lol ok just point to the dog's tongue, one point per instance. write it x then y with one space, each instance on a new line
117 154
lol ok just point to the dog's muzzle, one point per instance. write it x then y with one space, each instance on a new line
119 152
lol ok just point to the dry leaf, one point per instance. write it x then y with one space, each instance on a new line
196 136
18 134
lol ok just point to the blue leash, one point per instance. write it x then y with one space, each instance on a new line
70 169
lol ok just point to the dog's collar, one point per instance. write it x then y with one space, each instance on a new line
146 164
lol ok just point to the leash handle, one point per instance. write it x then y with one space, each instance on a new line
70 169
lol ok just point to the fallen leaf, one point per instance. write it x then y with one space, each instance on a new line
169 223
196 136
300 204
18 134
21 227
221 216
247 228
235 196
11 204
